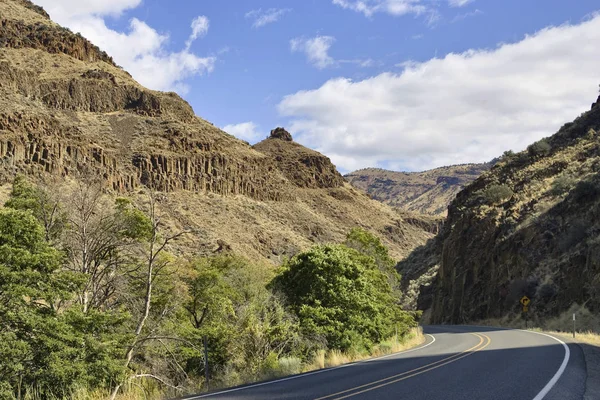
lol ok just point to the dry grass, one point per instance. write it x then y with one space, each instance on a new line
587 327
334 358
274 231
14 10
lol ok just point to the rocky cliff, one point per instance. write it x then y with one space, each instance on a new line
427 192
531 226
67 110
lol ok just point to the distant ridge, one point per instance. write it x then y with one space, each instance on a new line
427 192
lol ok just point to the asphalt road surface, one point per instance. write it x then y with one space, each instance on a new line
455 363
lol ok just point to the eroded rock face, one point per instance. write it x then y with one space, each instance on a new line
53 39
50 147
59 116
95 91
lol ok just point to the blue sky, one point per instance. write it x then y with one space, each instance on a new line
315 66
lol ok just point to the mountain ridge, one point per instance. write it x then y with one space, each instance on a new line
67 110
427 192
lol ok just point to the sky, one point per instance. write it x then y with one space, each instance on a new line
405 85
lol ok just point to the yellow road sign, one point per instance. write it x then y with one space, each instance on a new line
525 301
525 308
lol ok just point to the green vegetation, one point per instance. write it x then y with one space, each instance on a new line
540 148
563 184
497 193
93 304
342 294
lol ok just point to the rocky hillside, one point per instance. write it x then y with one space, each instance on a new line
529 227
427 192
303 167
67 111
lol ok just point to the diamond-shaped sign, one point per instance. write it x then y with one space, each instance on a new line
525 301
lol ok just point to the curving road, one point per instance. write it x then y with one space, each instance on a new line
455 363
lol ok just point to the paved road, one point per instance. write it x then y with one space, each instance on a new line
455 363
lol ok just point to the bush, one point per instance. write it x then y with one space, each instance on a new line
540 148
508 155
342 295
562 184
497 193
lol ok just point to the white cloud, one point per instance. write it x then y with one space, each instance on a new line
140 49
247 131
67 9
362 63
399 7
262 18
393 7
470 14
467 107
459 3
200 27
316 50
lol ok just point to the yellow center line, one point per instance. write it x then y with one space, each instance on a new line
413 372
407 372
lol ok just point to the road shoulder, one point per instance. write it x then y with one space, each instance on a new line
591 355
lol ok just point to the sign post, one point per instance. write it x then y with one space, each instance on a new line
525 302
573 325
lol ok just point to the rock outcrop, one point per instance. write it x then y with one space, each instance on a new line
282 134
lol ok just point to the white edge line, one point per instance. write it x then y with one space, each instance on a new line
314 372
558 373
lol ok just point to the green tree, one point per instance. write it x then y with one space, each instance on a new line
42 202
370 245
38 348
341 294
245 323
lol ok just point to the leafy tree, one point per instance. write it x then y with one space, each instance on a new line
153 267
37 345
245 324
370 245
341 294
42 202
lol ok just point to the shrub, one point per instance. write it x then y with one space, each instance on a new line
508 155
562 184
540 148
497 193
342 295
